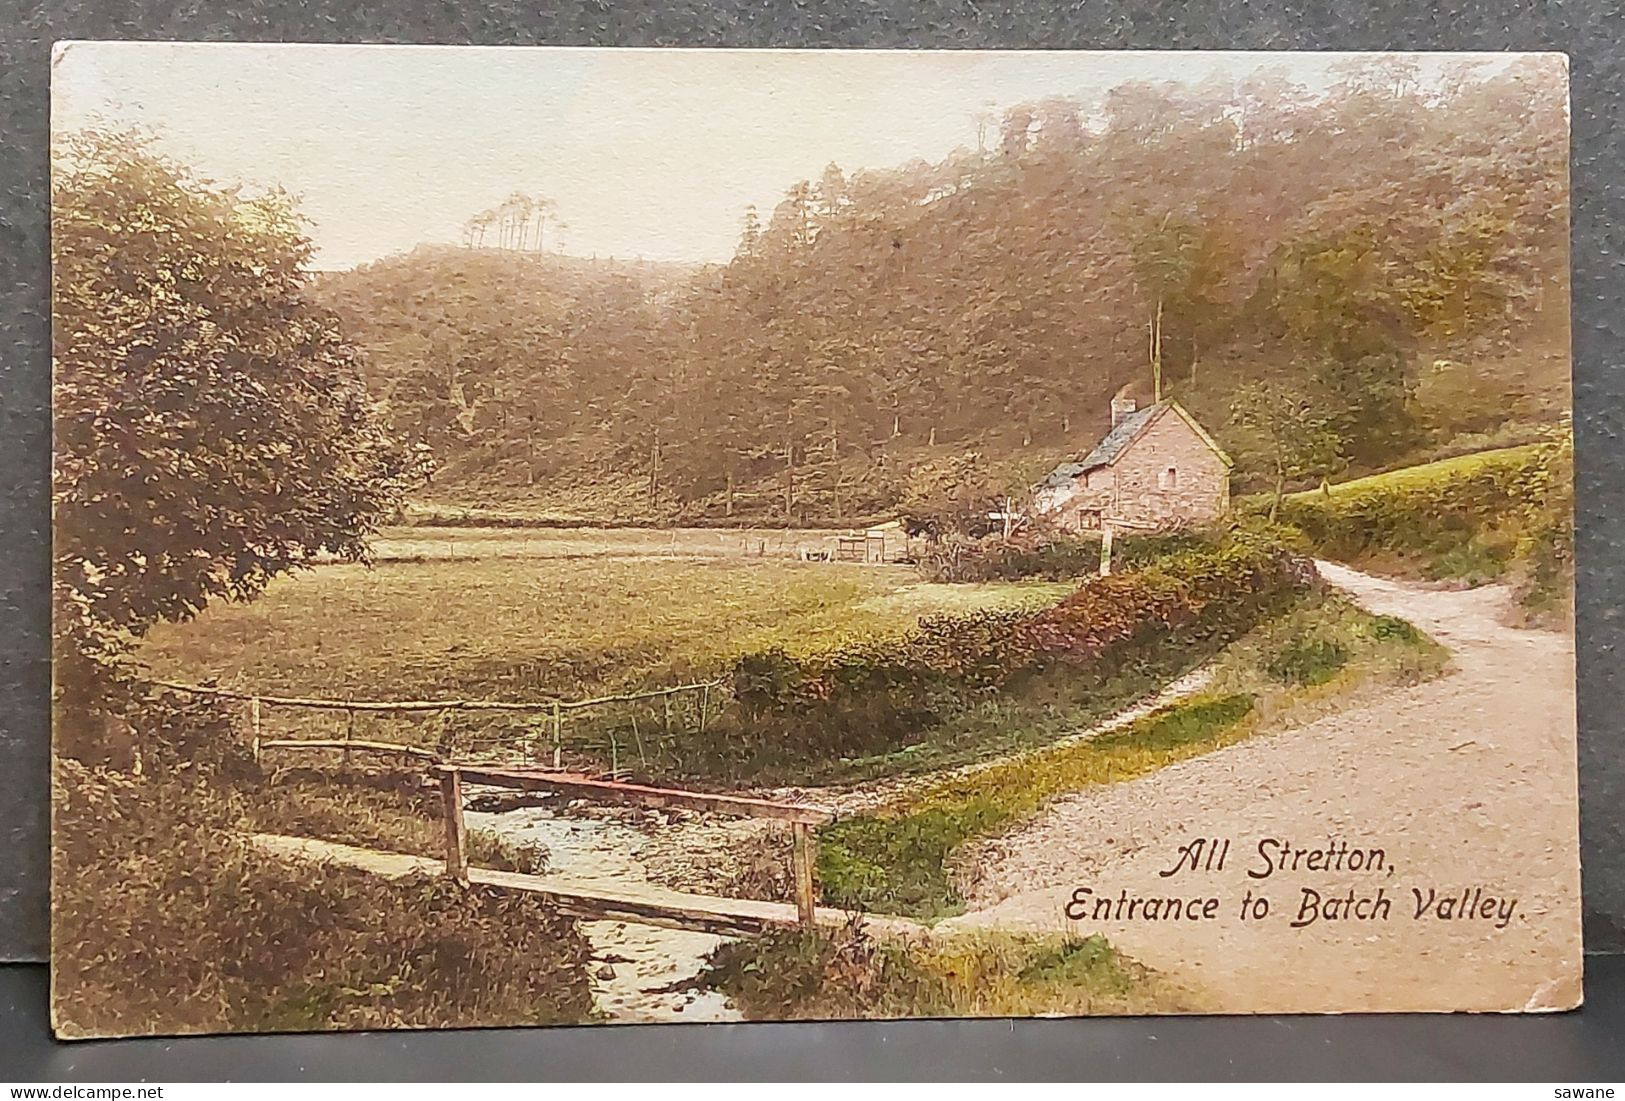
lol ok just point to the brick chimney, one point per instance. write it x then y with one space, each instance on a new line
1121 408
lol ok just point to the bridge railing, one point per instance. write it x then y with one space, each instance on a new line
801 818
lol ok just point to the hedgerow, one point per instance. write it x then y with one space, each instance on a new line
1470 519
1428 508
1056 557
868 697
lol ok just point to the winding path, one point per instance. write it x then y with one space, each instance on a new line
1467 781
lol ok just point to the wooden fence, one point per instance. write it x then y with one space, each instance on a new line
556 709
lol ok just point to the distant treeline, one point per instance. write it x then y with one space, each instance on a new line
1378 251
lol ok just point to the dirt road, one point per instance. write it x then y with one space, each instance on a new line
1466 783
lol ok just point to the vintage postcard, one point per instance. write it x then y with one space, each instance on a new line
552 536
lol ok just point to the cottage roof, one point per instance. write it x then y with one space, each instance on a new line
1121 435
1062 475
1124 433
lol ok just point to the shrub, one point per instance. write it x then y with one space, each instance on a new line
164 921
1544 556
1391 628
1425 509
998 558
1473 519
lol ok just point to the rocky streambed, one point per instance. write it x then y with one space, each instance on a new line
637 970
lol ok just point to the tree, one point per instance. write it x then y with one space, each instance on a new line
211 428
1297 438
952 497
1202 234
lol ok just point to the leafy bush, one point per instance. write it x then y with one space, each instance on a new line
998 558
164 921
1482 558
1391 627
1474 518
1419 509
1544 556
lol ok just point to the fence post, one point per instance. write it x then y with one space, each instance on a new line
254 726
705 699
451 799
558 736
349 736
801 858
638 738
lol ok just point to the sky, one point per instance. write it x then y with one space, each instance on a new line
647 153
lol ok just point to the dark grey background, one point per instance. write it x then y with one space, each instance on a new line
1574 1048
1588 30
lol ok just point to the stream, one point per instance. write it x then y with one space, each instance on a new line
632 965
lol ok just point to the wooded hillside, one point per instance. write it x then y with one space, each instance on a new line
1387 258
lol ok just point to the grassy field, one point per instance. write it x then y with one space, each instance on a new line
1424 473
530 627
428 542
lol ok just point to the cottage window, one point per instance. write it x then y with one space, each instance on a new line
1168 479
1088 519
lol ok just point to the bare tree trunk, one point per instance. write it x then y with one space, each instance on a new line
530 451
654 470
1156 353
789 473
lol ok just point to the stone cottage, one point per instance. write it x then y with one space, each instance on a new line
1156 469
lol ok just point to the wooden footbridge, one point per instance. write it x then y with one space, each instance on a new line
642 903
638 902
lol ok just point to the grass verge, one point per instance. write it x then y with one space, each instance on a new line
847 973
901 858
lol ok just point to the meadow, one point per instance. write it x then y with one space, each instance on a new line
539 621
